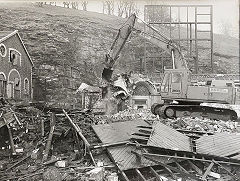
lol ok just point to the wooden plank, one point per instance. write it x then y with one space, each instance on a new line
207 171
158 178
189 158
181 167
124 175
42 127
141 134
140 175
50 136
10 137
7 118
16 118
76 127
171 172
194 167
15 164
234 176
193 177
136 137
91 156
78 141
109 145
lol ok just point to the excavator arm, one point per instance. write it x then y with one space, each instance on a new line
118 44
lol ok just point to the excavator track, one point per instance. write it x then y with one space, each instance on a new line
201 111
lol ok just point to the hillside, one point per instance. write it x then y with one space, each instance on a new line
68 46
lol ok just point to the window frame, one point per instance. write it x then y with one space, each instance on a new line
10 55
1 44
24 86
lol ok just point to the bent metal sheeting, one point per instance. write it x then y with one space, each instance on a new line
220 144
123 155
165 137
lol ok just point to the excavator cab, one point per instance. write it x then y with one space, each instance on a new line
174 84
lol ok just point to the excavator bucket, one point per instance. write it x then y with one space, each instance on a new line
107 74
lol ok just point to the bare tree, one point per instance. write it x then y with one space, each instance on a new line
74 5
84 5
127 7
108 6
66 4
40 4
120 6
51 3
157 14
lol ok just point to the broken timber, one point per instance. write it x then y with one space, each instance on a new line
79 131
76 127
49 140
186 175
192 158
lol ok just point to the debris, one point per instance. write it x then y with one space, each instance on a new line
215 175
61 164
96 174
112 177
76 127
52 125
15 164
34 154
52 174
10 138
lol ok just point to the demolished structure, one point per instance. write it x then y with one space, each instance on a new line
39 142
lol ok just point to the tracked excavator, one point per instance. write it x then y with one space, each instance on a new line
216 99
181 97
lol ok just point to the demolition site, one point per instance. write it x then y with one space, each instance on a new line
150 94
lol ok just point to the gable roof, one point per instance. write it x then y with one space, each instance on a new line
7 34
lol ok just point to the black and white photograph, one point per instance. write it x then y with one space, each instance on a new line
119 90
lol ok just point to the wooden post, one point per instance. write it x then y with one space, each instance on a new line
207 171
77 128
49 140
42 127
16 118
10 138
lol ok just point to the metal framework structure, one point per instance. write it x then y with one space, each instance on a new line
189 25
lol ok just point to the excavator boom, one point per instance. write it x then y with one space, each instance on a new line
118 44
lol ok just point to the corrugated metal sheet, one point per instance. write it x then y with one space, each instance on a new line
125 159
168 138
118 132
220 144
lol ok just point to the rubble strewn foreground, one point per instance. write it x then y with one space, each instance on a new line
129 145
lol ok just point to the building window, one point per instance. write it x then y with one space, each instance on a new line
26 86
14 57
3 50
3 85
17 83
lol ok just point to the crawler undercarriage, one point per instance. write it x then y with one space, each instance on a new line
202 111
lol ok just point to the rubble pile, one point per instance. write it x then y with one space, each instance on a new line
204 125
45 146
127 115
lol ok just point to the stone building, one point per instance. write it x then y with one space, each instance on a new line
144 95
15 67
